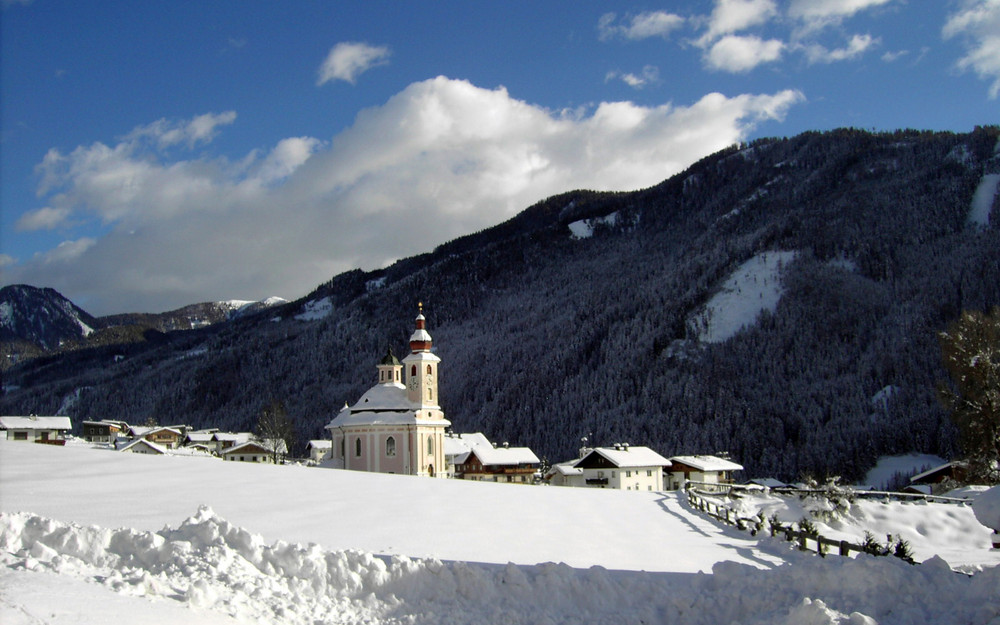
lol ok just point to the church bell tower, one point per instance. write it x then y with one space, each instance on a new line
421 366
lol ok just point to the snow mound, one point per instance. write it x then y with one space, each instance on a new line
212 568
987 508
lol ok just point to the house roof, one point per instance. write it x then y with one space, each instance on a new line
948 466
321 444
33 422
141 442
768 482
236 437
707 463
628 456
113 424
564 468
200 437
461 446
161 428
247 447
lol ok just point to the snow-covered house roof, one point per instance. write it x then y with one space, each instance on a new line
33 422
320 444
937 473
232 437
249 447
767 482
627 456
200 437
707 463
141 443
564 469
459 447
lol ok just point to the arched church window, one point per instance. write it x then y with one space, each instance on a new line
413 370
390 446
430 446
357 447
430 394
428 369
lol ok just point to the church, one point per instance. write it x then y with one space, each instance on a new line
397 426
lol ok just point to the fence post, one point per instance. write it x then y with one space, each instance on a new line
845 549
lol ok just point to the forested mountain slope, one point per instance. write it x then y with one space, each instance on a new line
586 315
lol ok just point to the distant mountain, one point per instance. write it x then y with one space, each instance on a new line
39 321
42 318
763 302
193 316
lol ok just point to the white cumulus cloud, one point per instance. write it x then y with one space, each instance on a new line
349 59
649 74
742 53
641 26
731 16
439 159
977 22
818 14
858 45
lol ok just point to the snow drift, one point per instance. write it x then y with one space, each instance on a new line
211 566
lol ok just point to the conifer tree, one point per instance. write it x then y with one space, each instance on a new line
971 353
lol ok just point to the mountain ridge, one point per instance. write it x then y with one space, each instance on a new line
546 337
41 321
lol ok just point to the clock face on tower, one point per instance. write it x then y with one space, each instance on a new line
414 383
430 380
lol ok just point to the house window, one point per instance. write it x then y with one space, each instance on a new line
20 436
357 447
390 446
649 474
628 474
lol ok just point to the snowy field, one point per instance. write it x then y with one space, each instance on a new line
94 536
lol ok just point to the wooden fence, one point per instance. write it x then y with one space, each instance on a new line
821 544
726 489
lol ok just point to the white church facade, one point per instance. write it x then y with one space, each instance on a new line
397 426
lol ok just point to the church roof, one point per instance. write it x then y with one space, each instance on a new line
390 359
382 404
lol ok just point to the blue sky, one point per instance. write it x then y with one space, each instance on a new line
155 154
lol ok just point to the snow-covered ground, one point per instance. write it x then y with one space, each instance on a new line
90 535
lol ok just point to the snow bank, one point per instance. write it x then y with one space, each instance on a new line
212 567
